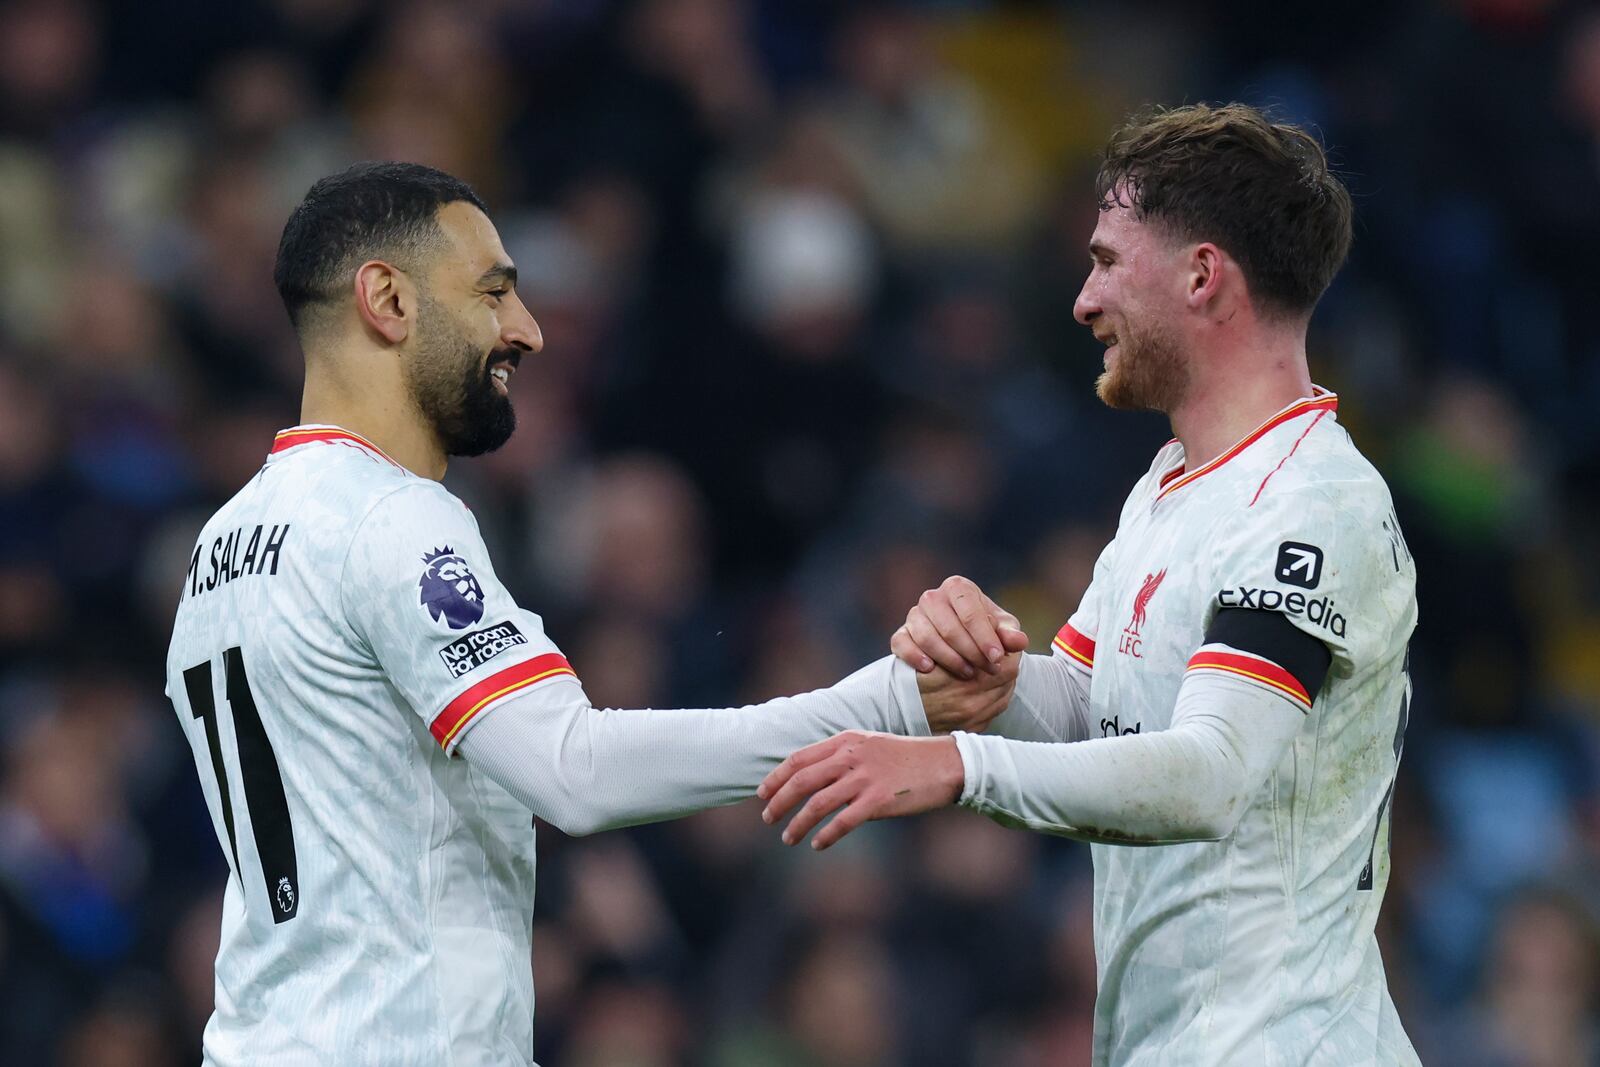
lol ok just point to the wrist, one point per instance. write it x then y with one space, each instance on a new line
952 769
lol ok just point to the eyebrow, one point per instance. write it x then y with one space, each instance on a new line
1101 251
500 272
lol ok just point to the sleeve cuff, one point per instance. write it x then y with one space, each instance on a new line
971 748
903 686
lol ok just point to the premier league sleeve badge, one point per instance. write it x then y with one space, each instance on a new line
448 590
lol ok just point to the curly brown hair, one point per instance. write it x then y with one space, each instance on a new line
1260 190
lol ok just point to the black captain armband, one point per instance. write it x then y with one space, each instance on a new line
1272 636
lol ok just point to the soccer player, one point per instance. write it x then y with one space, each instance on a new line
1233 688
372 716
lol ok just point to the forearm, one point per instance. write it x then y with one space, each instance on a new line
1050 703
585 769
1188 783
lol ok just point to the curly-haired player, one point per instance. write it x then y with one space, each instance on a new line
1233 689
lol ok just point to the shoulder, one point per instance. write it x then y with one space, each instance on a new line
410 527
1167 460
408 505
1322 522
343 484
356 495
229 515
1326 478
407 519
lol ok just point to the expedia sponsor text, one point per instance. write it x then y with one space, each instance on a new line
1318 610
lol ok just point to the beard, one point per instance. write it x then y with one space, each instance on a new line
1150 373
450 384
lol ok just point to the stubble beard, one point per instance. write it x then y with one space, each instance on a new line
449 381
1150 374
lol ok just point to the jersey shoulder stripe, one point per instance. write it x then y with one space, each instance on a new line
449 723
1287 456
1253 667
1078 647
1320 404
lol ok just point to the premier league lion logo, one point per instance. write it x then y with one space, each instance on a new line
285 896
449 589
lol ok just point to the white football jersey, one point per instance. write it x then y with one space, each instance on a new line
1258 948
340 628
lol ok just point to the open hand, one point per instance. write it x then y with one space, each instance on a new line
869 775
957 627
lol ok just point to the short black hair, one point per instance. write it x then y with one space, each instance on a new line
367 210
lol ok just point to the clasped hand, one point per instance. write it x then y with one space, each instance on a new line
967 651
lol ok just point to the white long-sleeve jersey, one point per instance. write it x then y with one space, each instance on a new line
1247 936
340 631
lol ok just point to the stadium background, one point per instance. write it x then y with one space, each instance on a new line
805 273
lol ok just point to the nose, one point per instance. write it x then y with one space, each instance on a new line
1087 307
517 327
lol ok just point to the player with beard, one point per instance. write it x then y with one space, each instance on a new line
1233 686
341 641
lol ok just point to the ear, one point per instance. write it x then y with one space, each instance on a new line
385 300
1204 282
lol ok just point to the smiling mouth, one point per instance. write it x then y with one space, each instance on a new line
503 366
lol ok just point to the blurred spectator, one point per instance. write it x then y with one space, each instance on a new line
1536 1001
48 55
191 954
938 166
35 500
628 1024
835 1008
72 867
124 1031
427 94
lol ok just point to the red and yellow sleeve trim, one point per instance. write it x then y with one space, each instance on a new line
449 723
1077 646
1255 668
306 435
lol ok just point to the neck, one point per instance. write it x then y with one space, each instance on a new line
365 395
1234 392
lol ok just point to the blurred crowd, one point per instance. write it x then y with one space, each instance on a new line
805 274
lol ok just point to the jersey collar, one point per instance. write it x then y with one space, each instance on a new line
1320 400
296 436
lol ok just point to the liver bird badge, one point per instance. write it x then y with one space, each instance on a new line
1141 599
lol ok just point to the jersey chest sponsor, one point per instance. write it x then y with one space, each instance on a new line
1115 727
